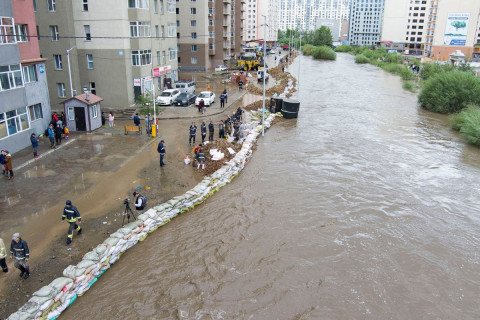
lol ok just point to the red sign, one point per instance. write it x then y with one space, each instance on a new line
161 70
156 72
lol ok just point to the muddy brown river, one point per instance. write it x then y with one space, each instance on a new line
365 207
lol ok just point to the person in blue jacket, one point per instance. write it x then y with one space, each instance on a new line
51 136
34 141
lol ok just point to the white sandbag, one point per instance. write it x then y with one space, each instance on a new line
172 202
60 282
92 255
124 231
101 248
19 315
111 241
46 305
55 313
117 235
86 263
142 217
131 225
72 272
151 213
46 291
59 296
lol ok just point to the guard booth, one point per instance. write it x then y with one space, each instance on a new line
83 112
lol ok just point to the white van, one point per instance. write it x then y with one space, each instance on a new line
185 86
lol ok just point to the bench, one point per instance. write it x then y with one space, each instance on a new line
133 129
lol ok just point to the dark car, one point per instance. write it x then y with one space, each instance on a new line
184 99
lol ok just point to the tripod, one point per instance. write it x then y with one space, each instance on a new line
127 213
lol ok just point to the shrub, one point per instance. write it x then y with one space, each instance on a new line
360 58
429 70
307 49
344 48
450 92
324 52
406 73
392 67
408 86
393 58
468 123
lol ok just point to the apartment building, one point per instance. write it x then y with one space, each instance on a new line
366 19
405 26
304 14
114 49
452 26
254 20
209 33
25 105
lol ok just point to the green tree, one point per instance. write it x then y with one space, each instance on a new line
323 37
459 24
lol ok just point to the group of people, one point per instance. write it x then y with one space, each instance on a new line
19 251
55 131
199 156
111 118
225 128
6 162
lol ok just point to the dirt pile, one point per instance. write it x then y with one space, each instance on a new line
221 145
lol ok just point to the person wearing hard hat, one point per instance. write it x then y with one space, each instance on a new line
3 256
72 215
19 251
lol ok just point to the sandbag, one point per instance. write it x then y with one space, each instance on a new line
19 315
72 272
92 255
46 291
86 263
111 241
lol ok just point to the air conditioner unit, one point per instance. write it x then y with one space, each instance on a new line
210 14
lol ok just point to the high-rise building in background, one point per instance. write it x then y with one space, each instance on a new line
452 26
254 20
366 19
304 14
405 25
25 105
209 33
114 47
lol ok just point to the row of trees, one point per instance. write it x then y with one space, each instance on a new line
319 37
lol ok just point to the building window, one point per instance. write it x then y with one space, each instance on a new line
88 35
211 10
193 60
89 61
85 5
138 4
7 30
212 23
93 89
155 6
193 10
16 121
57 58
61 90
38 33
51 5
158 57
172 53
35 112
194 48
157 32
29 74
54 33
211 46
10 77
141 57
21 32
34 5
160 8
164 57
178 23
94 111
194 35
139 29
193 23
172 30
71 113
211 35
171 6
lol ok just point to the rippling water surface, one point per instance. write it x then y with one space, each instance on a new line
366 207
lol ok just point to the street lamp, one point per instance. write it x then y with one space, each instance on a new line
264 70
69 72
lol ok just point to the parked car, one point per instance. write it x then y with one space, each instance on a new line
184 99
207 96
185 86
220 68
260 75
167 96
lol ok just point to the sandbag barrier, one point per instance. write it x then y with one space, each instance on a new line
51 300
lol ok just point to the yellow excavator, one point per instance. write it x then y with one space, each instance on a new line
248 63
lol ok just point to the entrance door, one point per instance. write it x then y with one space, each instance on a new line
80 119
137 91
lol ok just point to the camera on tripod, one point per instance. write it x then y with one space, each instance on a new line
128 211
126 201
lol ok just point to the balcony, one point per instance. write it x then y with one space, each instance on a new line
211 52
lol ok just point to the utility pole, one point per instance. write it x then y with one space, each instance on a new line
69 71
299 57
264 70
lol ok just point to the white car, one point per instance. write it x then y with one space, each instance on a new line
167 97
207 96
220 68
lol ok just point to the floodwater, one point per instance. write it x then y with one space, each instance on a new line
365 207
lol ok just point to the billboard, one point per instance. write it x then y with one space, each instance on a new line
456 29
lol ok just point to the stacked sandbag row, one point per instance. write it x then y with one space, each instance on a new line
51 300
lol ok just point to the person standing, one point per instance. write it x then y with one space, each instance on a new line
110 119
72 215
58 135
8 165
226 95
67 132
19 251
51 133
222 100
193 132
34 141
161 150
211 129
201 159
3 162
201 106
54 117
240 85
203 129
221 130
3 256
103 119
